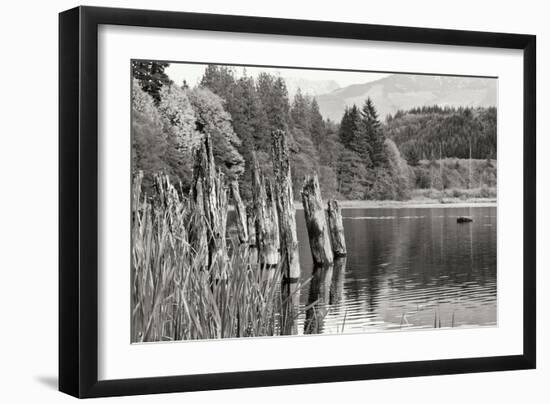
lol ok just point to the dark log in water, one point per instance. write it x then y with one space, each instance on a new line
316 222
464 219
265 211
285 205
240 210
336 227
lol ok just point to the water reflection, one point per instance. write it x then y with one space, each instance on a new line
318 299
290 298
337 285
406 268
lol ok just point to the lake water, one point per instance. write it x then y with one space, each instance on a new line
406 268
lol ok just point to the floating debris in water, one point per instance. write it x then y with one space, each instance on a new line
464 219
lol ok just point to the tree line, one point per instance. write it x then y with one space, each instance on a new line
357 158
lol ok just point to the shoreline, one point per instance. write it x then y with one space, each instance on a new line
415 203
410 204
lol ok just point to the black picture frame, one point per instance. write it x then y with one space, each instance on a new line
78 201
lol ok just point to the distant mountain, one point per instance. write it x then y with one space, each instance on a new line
311 87
404 91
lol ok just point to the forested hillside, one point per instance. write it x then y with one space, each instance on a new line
356 158
435 132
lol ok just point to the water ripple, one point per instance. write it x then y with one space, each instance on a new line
403 274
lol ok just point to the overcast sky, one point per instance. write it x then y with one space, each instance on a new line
192 73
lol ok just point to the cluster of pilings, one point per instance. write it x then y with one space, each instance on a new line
173 232
328 249
325 229
267 227
269 223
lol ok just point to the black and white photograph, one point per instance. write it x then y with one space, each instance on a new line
279 201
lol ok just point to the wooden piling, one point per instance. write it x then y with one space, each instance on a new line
285 205
240 211
210 199
197 225
316 222
336 228
267 236
252 244
273 216
251 225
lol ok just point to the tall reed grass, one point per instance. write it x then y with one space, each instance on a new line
177 294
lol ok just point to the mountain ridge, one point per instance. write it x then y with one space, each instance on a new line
309 87
403 92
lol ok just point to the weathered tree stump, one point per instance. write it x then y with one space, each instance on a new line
336 227
285 205
316 222
252 244
197 226
251 224
240 211
267 226
210 199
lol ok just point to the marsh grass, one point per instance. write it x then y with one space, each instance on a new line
177 295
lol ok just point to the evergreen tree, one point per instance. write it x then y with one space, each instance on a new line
349 126
352 175
317 124
221 81
248 115
371 139
304 150
330 147
300 113
356 131
250 124
305 115
274 96
304 157
151 77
